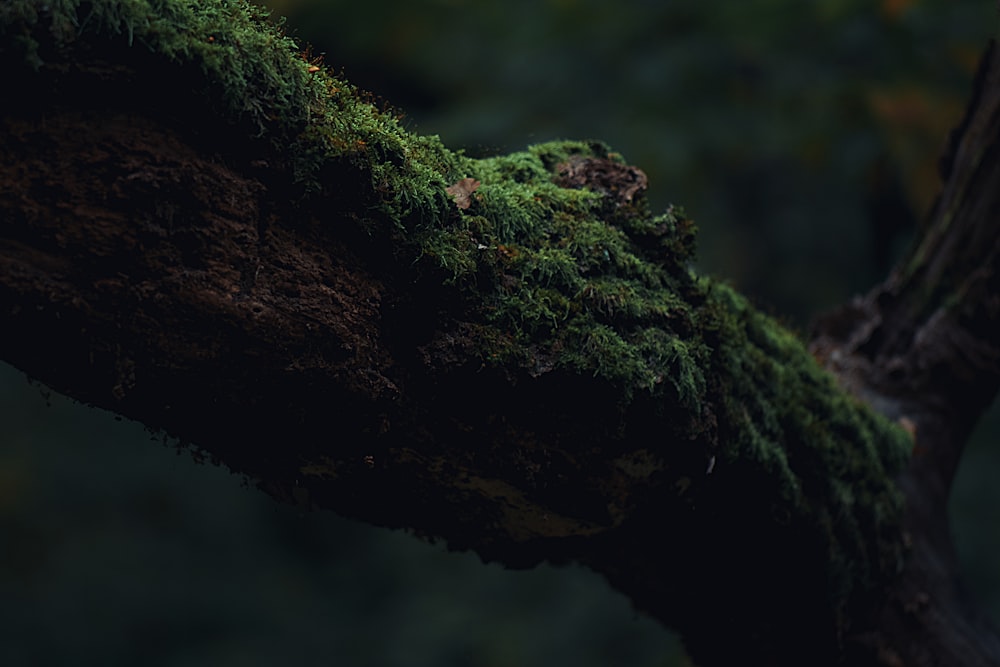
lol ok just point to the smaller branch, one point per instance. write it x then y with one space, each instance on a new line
925 344
924 349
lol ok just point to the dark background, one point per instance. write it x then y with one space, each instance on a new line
802 137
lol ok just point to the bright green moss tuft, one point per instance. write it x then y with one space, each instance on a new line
250 60
578 288
264 81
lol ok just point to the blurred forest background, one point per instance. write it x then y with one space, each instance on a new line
802 136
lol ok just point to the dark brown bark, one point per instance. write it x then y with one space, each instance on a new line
143 272
924 347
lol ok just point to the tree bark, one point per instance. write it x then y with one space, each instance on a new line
163 257
924 347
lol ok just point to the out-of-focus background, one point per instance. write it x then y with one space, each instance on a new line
802 136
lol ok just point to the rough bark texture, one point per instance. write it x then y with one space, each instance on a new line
924 346
159 260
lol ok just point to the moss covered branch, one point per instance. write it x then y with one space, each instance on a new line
207 231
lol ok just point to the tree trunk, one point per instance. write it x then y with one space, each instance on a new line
202 230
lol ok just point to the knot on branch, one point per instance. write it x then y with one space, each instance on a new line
622 183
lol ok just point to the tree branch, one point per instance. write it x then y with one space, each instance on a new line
925 347
206 232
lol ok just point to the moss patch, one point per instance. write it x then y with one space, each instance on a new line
598 298
826 457
542 260
555 258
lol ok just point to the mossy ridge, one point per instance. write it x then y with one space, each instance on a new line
240 51
559 275
263 78
546 263
576 289
826 456
557 272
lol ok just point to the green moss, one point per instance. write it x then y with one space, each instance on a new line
248 58
576 289
263 80
556 279
541 258
827 457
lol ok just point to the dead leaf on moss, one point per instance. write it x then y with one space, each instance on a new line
462 191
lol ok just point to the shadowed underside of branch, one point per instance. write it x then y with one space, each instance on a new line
202 230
